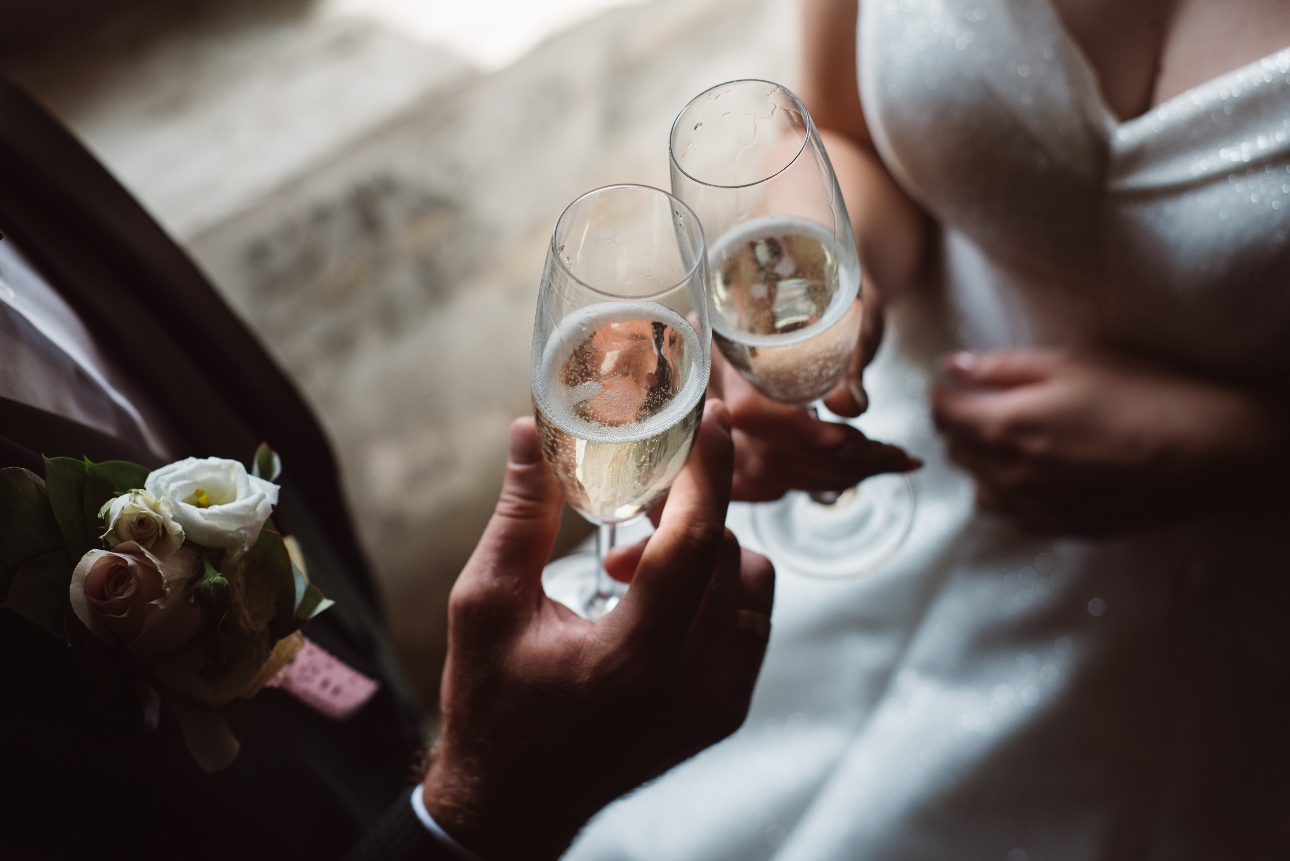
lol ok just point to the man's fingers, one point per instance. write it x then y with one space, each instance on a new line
730 633
708 641
756 595
519 538
1003 370
677 563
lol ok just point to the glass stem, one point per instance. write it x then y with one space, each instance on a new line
823 497
606 588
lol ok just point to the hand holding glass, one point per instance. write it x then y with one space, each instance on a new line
785 287
621 356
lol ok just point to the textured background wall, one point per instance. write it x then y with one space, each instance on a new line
377 208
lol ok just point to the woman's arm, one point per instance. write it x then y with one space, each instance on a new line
892 232
779 448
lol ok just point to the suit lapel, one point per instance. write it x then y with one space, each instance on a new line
27 433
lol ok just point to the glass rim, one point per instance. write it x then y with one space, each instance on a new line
806 135
699 261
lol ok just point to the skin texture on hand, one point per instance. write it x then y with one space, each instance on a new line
780 448
1100 443
549 717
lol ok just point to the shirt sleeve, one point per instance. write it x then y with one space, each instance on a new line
419 807
400 835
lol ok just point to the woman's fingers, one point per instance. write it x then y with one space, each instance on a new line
1005 369
850 398
1000 465
764 472
620 563
775 423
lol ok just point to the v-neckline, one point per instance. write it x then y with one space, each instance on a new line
1111 121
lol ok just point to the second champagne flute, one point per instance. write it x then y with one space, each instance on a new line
786 298
621 356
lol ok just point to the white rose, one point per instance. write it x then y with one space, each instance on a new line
140 517
216 501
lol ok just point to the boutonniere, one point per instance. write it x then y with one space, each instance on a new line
174 587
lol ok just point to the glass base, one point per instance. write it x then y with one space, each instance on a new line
571 580
848 538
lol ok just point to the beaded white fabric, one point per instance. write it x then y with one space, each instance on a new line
989 694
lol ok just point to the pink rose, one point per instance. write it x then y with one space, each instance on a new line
128 596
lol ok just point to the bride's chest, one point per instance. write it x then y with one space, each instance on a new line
1146 52
1175 225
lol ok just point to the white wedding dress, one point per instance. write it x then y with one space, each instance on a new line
989 694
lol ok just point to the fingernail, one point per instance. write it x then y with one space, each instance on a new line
965 362
858 394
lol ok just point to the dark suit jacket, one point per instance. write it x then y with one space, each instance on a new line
304 786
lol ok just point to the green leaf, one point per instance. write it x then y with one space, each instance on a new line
65 481
211 595
28 529
120 476
266 464
39 591
103 483
270 556
77 490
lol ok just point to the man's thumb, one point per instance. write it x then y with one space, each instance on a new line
522 532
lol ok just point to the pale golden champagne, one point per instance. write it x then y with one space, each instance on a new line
787 313
618 398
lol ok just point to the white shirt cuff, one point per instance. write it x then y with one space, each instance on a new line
419 807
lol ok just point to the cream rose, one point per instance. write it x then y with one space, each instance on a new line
216 501
140 517
131 597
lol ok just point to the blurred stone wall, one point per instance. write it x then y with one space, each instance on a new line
378 211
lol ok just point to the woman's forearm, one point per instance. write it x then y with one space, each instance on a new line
892 233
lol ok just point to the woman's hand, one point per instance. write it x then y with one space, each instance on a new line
780 448
1099 443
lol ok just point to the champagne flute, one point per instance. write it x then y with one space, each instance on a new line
785 293
621 357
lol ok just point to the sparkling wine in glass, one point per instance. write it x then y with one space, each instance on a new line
621 356
785 292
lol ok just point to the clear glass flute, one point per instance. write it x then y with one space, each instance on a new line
786 308
621 356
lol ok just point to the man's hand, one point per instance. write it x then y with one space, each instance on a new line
549 717
1098 443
